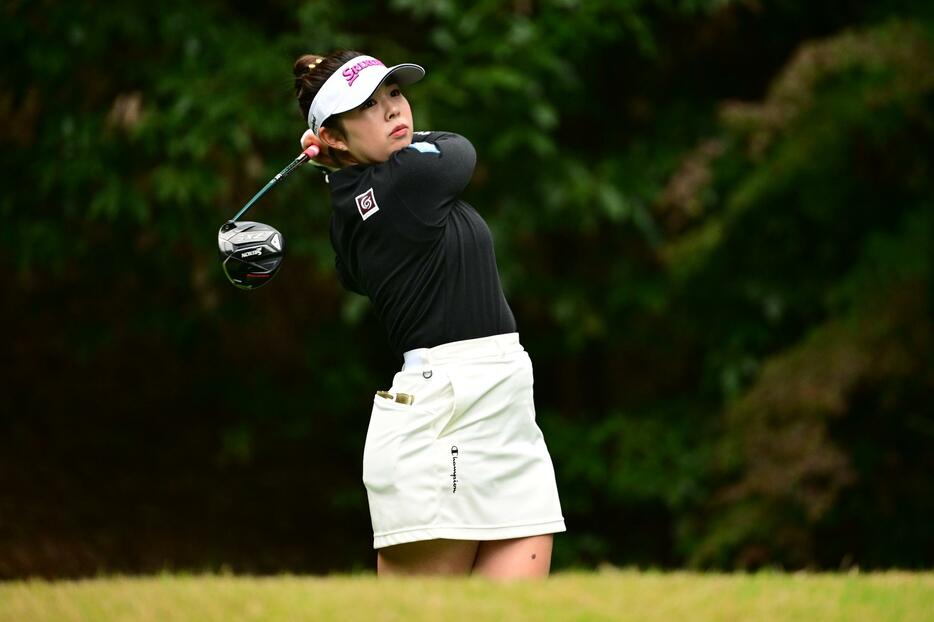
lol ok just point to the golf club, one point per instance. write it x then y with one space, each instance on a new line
251 252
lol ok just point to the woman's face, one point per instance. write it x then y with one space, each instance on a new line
377 128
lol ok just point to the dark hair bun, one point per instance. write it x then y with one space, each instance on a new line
312 71
306 64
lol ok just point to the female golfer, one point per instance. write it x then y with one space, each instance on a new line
457 474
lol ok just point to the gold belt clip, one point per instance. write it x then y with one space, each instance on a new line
402 398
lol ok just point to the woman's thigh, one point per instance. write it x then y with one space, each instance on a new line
515 558
435 557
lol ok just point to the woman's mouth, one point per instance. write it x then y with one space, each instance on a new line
399 130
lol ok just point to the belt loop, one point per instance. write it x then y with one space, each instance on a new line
416 357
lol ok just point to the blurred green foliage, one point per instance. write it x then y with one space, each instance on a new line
713 222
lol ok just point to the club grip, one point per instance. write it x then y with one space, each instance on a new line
312 151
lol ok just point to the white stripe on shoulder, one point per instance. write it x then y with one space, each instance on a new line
424 147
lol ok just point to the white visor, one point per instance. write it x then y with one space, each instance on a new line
353 84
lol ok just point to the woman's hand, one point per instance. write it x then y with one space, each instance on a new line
323 158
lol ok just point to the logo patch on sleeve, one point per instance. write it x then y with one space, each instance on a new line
366 204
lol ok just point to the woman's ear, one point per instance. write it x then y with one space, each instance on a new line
332 139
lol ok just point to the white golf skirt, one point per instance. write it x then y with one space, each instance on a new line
465 459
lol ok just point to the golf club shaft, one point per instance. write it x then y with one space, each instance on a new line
306 155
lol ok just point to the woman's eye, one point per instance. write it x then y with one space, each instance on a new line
395 92
368 103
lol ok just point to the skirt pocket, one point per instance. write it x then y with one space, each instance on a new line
399 456
381 449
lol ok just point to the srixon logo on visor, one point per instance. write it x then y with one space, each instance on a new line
350 74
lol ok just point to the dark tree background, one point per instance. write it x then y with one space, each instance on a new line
713 221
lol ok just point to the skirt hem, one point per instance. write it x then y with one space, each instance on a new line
466 532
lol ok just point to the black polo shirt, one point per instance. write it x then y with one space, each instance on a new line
424 257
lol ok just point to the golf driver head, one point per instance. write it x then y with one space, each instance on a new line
251 252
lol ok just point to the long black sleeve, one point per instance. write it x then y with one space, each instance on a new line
429 174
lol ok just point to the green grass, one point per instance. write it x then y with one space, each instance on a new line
570 596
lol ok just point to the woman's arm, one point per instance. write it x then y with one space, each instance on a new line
429 174
323 158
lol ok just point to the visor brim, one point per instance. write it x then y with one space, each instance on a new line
402 74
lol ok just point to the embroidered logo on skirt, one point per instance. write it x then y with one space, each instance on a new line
454 453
